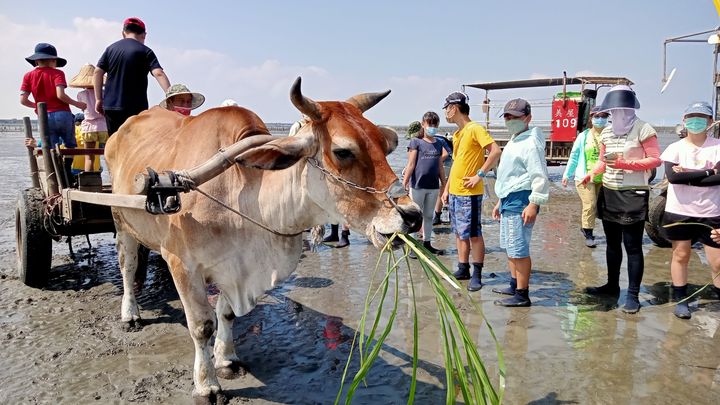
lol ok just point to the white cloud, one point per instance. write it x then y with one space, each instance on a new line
262 87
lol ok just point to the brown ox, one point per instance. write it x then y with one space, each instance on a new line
206 243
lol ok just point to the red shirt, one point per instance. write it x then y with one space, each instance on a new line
41 83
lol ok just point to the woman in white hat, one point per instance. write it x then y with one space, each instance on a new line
692 165
93 128
180 99
629 151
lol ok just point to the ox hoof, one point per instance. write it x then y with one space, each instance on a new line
215 398
231 372
133 325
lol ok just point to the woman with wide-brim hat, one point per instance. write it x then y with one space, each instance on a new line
93 129
180 99
628 151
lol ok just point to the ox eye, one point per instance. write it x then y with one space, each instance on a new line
343 154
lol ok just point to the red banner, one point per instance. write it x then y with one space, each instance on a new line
564 124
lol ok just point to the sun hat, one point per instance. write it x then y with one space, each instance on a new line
84 79
699 107
455 98
620 96
134 21
414 128
45 51
517 107
177 89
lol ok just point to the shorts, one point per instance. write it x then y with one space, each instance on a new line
694 233
465 215
514 235
100 137
61 129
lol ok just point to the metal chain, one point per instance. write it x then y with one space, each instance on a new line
339 179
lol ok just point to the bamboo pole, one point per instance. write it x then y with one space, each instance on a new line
50 176
34 176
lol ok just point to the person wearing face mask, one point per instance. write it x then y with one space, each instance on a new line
423 173
628 152
584 155
522 186
180 99
693 197
464 189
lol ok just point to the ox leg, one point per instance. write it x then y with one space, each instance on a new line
227 363
127 248
201 325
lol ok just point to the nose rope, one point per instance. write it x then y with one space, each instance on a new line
394 191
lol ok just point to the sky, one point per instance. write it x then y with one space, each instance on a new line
252 51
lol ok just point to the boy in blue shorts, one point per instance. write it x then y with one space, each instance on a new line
47 84
522 186
464 189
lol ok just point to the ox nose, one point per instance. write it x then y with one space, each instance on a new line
412 218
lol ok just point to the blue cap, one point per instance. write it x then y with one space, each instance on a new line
699 107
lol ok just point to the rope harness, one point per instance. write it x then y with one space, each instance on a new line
394 191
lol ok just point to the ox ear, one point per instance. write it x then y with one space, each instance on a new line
391 139
304 104
366 101
279 154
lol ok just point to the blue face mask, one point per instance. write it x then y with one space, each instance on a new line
696 125
432 131
599 122
515 126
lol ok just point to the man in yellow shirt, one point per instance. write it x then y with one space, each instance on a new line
464 188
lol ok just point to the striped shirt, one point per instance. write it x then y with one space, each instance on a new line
630 146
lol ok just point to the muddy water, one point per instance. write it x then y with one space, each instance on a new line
65 345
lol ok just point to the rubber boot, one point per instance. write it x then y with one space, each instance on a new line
612 288
507 291
333 237
589 238
436 218
717 291
344 241
682 310
632 302
521 298
475 284
463 271
428 246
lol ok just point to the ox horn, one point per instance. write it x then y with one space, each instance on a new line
366 101
304 104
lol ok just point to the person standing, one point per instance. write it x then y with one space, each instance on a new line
127 63
423 173
93 129
629 151
522 186
584 156
693 197
464 189
46 83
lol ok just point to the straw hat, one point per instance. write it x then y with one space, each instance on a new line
176 89
84 79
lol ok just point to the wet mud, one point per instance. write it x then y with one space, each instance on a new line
65 344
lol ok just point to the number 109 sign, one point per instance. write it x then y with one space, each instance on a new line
564 120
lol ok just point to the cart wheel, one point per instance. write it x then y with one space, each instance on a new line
653 227
34 245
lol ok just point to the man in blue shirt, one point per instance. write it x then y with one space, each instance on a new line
127 63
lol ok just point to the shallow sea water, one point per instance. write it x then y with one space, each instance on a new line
64 344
